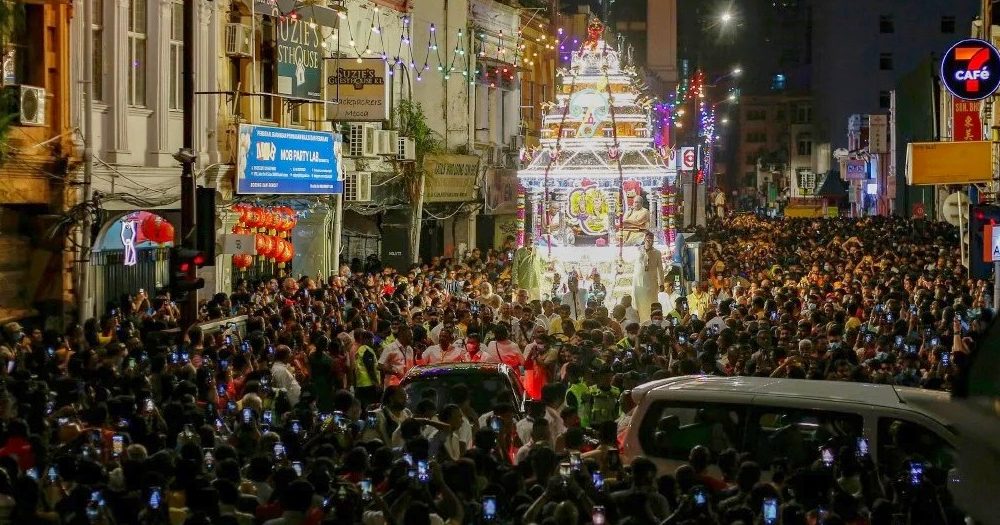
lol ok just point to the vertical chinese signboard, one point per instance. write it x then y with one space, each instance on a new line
967 124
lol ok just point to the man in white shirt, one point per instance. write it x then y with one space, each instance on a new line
282 376
397 357
631 314
668 296
443 352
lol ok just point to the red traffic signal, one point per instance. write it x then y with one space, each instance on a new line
183 279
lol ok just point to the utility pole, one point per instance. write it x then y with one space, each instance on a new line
186 156
83 306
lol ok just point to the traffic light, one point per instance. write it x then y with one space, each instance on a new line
981 218
184 263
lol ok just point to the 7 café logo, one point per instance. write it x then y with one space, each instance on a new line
971 69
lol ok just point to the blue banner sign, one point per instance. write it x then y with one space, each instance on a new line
288 161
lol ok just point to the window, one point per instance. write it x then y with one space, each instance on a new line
885 61
948 24
756 114
97 34
900 441
751 159
797 434
803 114
672 428
137 53
803 146
756 136
176 55
884 99
886 24
295 114
267 80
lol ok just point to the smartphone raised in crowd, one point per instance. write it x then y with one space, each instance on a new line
366 489
423 471
862 447
155 498
770 511
117 445
489 508
597 516
699 496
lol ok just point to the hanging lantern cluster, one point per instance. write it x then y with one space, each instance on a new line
271 227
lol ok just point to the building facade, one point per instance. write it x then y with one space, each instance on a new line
38 154
137 120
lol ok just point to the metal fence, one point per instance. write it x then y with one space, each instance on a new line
112 279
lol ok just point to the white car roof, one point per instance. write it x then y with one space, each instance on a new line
876 395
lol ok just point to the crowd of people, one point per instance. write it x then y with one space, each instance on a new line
298 417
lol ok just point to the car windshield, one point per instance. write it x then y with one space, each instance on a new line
483 388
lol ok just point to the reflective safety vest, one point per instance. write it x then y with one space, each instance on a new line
580 392
603 405
361 375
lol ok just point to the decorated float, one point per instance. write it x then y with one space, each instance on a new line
598 180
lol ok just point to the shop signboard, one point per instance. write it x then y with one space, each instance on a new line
357 92
967 124
878 132
970 70
299 58
273 161
450 178
855 169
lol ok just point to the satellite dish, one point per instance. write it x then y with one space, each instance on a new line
955 209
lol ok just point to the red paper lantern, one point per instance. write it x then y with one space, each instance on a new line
273 247
157 229
242 260
261 244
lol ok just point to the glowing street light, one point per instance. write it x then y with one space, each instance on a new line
726 17
737 71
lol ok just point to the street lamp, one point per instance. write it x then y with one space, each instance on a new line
726 17
737 71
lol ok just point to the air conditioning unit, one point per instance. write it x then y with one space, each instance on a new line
389 143
28 102
407 149
239 40
362 140
358 186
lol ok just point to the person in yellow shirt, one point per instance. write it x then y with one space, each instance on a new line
699 299
366 374
556 326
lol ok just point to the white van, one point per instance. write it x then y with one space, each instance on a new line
785 419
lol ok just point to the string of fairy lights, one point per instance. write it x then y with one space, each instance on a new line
500 56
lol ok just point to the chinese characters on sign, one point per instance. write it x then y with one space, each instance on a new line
967 124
